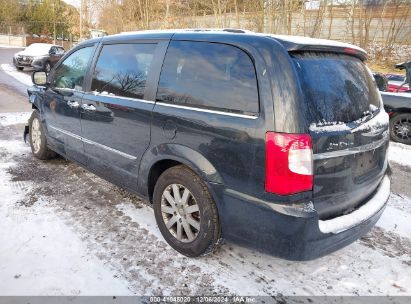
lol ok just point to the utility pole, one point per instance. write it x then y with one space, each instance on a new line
54 21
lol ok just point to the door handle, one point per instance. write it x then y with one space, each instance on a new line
87 107
73 104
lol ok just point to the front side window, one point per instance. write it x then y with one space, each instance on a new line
70 73
209 75
122 69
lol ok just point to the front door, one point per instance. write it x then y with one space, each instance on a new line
63 101
116 116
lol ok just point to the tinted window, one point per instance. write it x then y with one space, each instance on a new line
337 88
70 73
208 75
122 69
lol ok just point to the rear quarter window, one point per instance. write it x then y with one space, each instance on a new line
209 75
336 88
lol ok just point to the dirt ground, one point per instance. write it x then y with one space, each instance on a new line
12 101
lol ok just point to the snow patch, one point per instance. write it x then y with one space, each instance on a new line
15 147
41 255
394 219
377 122
144 216
8 119
400 153
374 123
334 126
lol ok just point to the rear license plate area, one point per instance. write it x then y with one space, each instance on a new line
365 164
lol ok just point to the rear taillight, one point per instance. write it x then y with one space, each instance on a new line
289 163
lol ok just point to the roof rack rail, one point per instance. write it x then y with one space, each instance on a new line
234 30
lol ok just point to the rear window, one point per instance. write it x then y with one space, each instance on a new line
337 88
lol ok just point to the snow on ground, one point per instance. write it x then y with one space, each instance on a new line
7 119
98 239
400 153
397 217
18 75
7 46
40 254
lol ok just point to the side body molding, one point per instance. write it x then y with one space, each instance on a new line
179 153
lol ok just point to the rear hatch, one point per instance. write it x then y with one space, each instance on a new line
348 126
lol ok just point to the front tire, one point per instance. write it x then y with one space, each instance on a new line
37 138
400 128
185 212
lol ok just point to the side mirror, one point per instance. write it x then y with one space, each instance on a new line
39 78
52 52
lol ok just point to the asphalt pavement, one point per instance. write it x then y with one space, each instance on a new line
6 57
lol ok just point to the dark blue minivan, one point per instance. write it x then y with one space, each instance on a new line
274 142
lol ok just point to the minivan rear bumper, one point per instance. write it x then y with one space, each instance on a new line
293 232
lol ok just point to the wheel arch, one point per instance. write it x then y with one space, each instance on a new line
34 98
162 157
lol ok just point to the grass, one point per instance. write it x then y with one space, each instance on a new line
384 68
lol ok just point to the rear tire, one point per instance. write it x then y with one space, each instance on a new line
400 128
37 138
192 216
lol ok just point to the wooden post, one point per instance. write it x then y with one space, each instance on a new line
23 32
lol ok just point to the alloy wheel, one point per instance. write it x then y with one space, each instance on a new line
181 213
402 128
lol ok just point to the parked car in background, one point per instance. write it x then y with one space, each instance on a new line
395 86
40 56
274 142
395 77
381 80
398 107
395 81
400 83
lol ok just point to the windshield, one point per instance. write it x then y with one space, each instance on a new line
38 48
337 88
